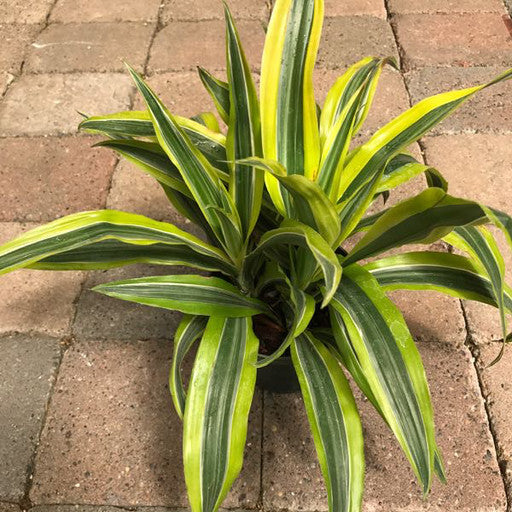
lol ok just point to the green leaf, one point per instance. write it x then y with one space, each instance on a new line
403 167
217 409
192 294
482 247
429 216
108 238
334 422
196 171
288 109
219 91
295 233
139 124
390 362
311 206
407 128
244 131
443 272
365 72
189 330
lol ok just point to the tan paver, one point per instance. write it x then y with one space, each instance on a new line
45 178
184 45
454 40
15 41
355 7
292 479
179 10
112 437
5 80
445 6
26 377
48 104
347 39
24 11
477 167
182 93
85 11
488 111
35 300
79 47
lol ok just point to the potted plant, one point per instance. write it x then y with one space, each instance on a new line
279 197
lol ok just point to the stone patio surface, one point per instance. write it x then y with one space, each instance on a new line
86 420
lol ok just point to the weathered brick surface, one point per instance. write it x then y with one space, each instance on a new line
182 93
85 11
112 436
90 47
292 478
476 167
179 10
355 7
497 390
32 300
454 40
9 507
5 79
446 6
488 111
102 317
184 45
390 100
48 104
347 39
24 11
47 177
15 43
26 376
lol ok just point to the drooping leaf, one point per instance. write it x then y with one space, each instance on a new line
288 109
334 422
217 410
192 294
381 343
109 238
189 330
244 131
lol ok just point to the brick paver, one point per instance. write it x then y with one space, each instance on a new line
26 376
454 40
179 10
15 43
79 47
84 11
446 6
47 177
184 45
292 478
24 11
48 104
110 438
346 39
122 446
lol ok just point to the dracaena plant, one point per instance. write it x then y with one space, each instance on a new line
281 196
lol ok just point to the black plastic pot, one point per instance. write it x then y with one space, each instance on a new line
278 377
